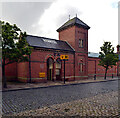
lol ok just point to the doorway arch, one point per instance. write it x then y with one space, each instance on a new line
50 71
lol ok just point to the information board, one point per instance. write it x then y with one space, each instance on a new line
42 74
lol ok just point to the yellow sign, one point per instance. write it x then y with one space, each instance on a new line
64 57
42 74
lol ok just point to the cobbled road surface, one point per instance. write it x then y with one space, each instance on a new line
21 100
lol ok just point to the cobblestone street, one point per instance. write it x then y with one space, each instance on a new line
88 99
100 105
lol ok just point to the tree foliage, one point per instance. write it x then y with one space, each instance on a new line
107 56
14 45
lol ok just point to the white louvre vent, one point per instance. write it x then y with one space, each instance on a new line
50 41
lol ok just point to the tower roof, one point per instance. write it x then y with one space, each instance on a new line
75 21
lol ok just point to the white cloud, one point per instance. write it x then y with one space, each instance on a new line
100 15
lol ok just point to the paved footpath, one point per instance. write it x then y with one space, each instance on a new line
11 86
16 102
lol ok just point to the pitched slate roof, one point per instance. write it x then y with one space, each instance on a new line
47 43
92 54
75 21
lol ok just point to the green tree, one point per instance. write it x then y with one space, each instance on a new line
107 57
14 46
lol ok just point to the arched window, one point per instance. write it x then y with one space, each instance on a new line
81 66
80 43
50 70
58 63
58 69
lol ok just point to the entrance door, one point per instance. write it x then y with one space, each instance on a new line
50 68
58 69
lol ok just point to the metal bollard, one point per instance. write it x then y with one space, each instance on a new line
94 77
112 75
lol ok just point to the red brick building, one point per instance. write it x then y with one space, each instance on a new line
45 64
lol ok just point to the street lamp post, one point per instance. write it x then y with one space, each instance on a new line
64 58
95 71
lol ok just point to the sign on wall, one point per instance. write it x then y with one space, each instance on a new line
42 66
42 74
119 56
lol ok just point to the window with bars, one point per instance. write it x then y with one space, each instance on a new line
80 43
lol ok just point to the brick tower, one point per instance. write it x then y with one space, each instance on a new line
75 32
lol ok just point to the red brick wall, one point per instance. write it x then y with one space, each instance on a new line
69 67
118 68
81 33
72 36
39 60
81 58
81 55
68 35
11 72
23 71
39 64
118 65
100 71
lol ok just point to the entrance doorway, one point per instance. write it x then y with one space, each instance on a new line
50 71
58 69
